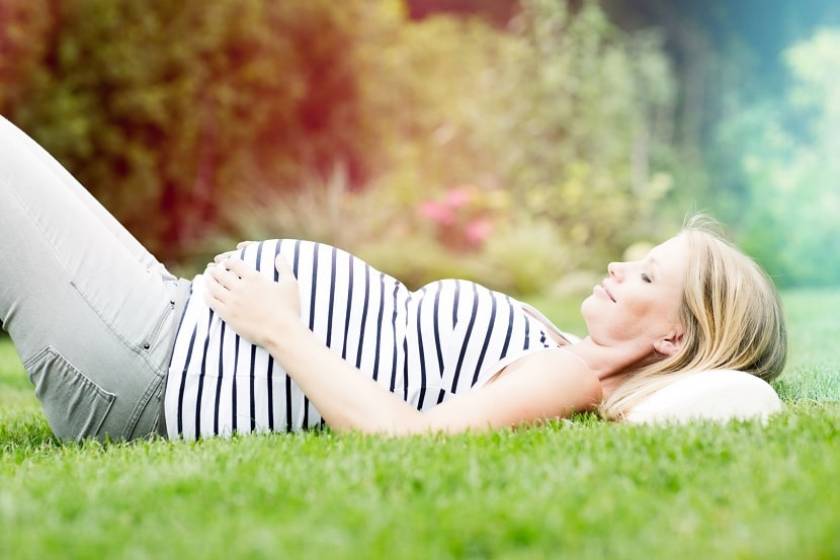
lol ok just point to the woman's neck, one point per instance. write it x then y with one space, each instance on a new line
610 384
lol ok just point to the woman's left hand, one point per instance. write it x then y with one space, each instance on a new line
254 306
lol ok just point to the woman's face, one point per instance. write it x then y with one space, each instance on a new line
639 298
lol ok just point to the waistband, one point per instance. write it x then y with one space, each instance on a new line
181 297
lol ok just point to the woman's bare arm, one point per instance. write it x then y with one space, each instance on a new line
545 384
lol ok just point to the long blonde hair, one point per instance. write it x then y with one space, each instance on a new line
731 315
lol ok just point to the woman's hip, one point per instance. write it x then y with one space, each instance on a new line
92 385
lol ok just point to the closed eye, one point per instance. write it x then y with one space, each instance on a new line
646 278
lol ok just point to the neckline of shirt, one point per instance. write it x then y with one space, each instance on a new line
566 337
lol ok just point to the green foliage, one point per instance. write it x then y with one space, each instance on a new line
558 117
165 109
578 124
181 117
563 113
193 122
523 254
23 26
786 170
523 257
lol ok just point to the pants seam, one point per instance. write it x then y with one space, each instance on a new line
140 407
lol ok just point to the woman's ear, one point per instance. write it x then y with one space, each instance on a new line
670 344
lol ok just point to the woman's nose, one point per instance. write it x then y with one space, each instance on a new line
614 270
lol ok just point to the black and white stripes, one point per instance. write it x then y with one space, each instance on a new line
426 346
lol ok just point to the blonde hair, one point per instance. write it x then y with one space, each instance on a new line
731 315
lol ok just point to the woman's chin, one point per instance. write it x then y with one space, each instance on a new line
588 310
585 304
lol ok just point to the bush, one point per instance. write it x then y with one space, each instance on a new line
787 166
176 106
194 122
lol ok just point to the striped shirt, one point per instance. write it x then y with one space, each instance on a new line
426 346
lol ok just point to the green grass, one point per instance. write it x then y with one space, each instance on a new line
577 489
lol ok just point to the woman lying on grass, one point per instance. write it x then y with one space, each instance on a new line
284 335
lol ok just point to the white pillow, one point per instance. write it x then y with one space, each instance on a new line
720 394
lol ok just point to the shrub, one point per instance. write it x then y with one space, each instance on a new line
194 122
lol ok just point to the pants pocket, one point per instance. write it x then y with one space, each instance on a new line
153 336
74 405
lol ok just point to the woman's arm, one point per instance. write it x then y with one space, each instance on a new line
542 385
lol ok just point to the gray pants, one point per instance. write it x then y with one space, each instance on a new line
91 312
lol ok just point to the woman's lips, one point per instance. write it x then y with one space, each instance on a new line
603 286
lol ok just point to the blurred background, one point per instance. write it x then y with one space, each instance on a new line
519 143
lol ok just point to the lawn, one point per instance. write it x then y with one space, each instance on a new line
577 489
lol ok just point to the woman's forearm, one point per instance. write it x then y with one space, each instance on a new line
345 397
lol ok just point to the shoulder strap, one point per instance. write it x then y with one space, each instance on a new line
568 337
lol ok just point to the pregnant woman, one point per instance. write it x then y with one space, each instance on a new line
289 334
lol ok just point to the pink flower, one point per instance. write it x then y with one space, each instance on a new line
477 231
458 197
437 212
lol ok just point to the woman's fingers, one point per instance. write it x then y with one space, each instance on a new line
238 267
223 277
214 290
228 254
214 295
225 256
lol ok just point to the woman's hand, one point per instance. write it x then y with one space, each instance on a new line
254 306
